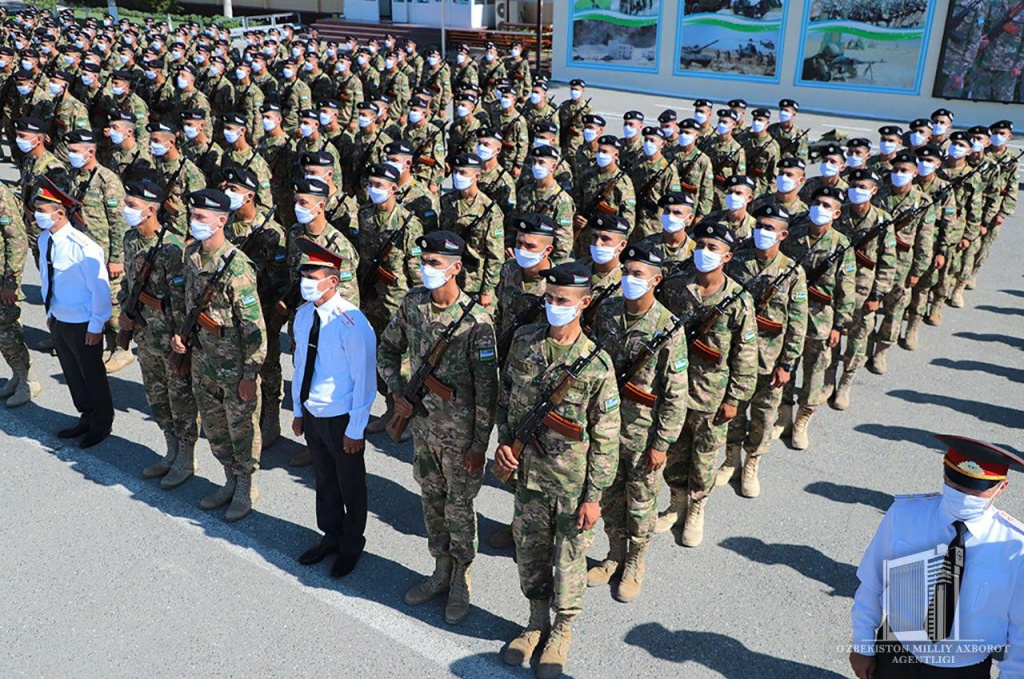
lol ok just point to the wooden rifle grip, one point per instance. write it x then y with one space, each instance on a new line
503 475
396 427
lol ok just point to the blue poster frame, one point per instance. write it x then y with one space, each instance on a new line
601 67
718 75
918 76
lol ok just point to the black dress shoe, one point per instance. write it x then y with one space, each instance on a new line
344 564
73 432
319 551
93 437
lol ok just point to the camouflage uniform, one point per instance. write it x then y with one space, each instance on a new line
499 186
516 139
991 77
132 165
547 113
440 82
728 159
348 92
188 180
334 240
793 207
969 198
362 149
570 125
466 74
697 176
13 252
133 103
453 428
69 114
295 97
274 150
787 147
219 364
741 229
676 258
914 245
1002 200
31 170
948 231
485 242
551 551
375 227
254 162
814 183
621 198
556 203
428 142
762 157
518 71
651 181
184 101
396 86
462 135
514 295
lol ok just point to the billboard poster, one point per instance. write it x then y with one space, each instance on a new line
737 39
620 35
982 49
874 45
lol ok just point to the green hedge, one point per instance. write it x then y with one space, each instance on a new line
138 10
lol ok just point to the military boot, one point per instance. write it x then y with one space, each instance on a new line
270 424
632 582
522 647
603 572
246 495
184 466
935 316
377 426
556 650
910 340
784 424
956 300
457 608
803 419
750 486
727 472
674 513
829 387
971 283
438 582
502 538
119 360
878 364
841 400
10 386
222 495
47 346
24 391
163 465
693 529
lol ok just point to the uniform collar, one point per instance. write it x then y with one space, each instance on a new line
978 527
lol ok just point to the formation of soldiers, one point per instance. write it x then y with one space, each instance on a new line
618 304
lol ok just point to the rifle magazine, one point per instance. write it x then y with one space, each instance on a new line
768 326
819 296
439 389
706 352
561 425
863 260
638 395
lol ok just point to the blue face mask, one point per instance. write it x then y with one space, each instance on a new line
560 316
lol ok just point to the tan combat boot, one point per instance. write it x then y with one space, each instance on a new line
24 391
971 283
270 424
674 513
841 400
163 465
438 582
10 386
784 424
727 472
803 419
750 486
522 647
829 387
219 497
878 364
693 529
603 572
956 300
935 317
457 608
910 340
377 426
502 538
632 582
119 360
246 495
183 467
556 650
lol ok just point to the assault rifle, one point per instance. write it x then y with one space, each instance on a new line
527 315
764 323
699 326
590 313
138 294
423 380
418 158
645 191
793 143
599 203
570 128
363 160
166 208
542 414
647 351
471 259
197 318
249 243
376 269
724 161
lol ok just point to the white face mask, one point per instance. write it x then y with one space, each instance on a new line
785 116
541 141
858 196
734 202
132 216
433 60
764 239
240 74
231 136
925 168
365 121
634 288
526 259
758 126
150 75
997 139
888 147
917 138
575 94
214 70
76 160
628 131
540 171
706 261
310 290
288 73
462 111
938 129
785 184
269 124
26 65
651 148
829 169
87 80
700 117
536 98
589 135
176 55
489 56
672 224
415 116
190 131
201 231
434 278
389 64
55 89
24 145
181 82
303 215
560 316
484 152
604 159
116 138
158 149
124 58
296 51
957 151
257 66
963 506
44 220
509 102
306 130
723 129
820 215
237 199
855 161
687 140
379 196
900 179
461 183
460 59
24 90
602 254
667 132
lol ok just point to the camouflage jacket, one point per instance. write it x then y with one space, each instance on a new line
836 283
297 147
294 97
877 260
763 156
1003 197
793 207
482 227
14 241
741 230
596 193
102 196
375 229
651 181
499 186
207 157
334 240
546 112
417 198
184 101
462 135
814 183
787 147
166 283
253 161
69 114
427 141
915 237
518 71
969 197
31 170
727 159
360 150
516 139
266 251
570 124
185 182
396 85
515 294
132 164
248 101
676 257
946 233
697 176
464 74
438 80
555 202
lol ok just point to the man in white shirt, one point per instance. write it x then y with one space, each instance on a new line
76 296
975 609
334 386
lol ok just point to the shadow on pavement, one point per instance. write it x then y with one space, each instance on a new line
807 561
719 653
1002 310
1015 293
897 433
986 412
1008 340
1012 374
851 495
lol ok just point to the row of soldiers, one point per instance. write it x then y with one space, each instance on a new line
579 250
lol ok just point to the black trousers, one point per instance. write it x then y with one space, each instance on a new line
893 661
340 482
85 374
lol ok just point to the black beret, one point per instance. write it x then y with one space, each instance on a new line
786 163
488 133
316 159
331 103
210 199
960 135
702 103
772 212
667 116
889 130
609 140
676 198
577 82
645 252
194 114
24 75
399 147
545 127
313 187
242 176
978 129
234 118
269 106
594 119
122 116
188 68
146 189
920 122
541 83
160 126
905 156
122 74
741 180
833 192
716 230
468 160
737 103
830 149
612 223
789 103
91 67
29 124
650 131
505 88
728 113
633 115
61 74
30 52
1001 125
442 243
689 124
384 171
863 174
536 223
942 112
381 97
858 142
418 102
929 151
761 113
467 96
544 152
570 274
368 106
80 137
310 113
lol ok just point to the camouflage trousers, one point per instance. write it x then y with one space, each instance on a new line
447 492
12 339
754 431
985 248
693 459
863 325
629 506
968 259
932 283
894 306
551 552
814 364
169 396
229 423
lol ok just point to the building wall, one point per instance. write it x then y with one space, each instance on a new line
873 104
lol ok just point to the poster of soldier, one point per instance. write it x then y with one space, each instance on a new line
982 51
617 34
742 38
865 44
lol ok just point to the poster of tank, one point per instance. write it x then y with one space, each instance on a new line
739 39
982 52
620 35
874 45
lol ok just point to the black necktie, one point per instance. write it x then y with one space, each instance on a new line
49 273
947 587
307 374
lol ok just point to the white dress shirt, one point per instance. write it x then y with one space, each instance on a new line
81 289
345 372
990 609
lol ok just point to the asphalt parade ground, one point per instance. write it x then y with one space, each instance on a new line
106 575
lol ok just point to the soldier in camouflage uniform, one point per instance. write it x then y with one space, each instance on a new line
593 129
559 480
312 222
320 85
68 114
653 178
997 70
781 318
607 241
36 161
677 249
450 440
294 96
696 174
177 174
273 148
367 74
669 122
437 77
626 325
239 153
495 180
31 101
604 188
413 194
20 388
122 97
739 194
788 182
703 110
310 140
515 136
722 375
199 145
465 71
412 61
160 94
162 308
890 142
833 164
348 91
187 97
395 84
762 151
521 284
830 306
727 156
517 68
462 134
492 72
791 139
570 118
545 133
858 155
970 196
363 147
539 105
545 196
129 158
225 368
1002 201
247 102
632 138
427 141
